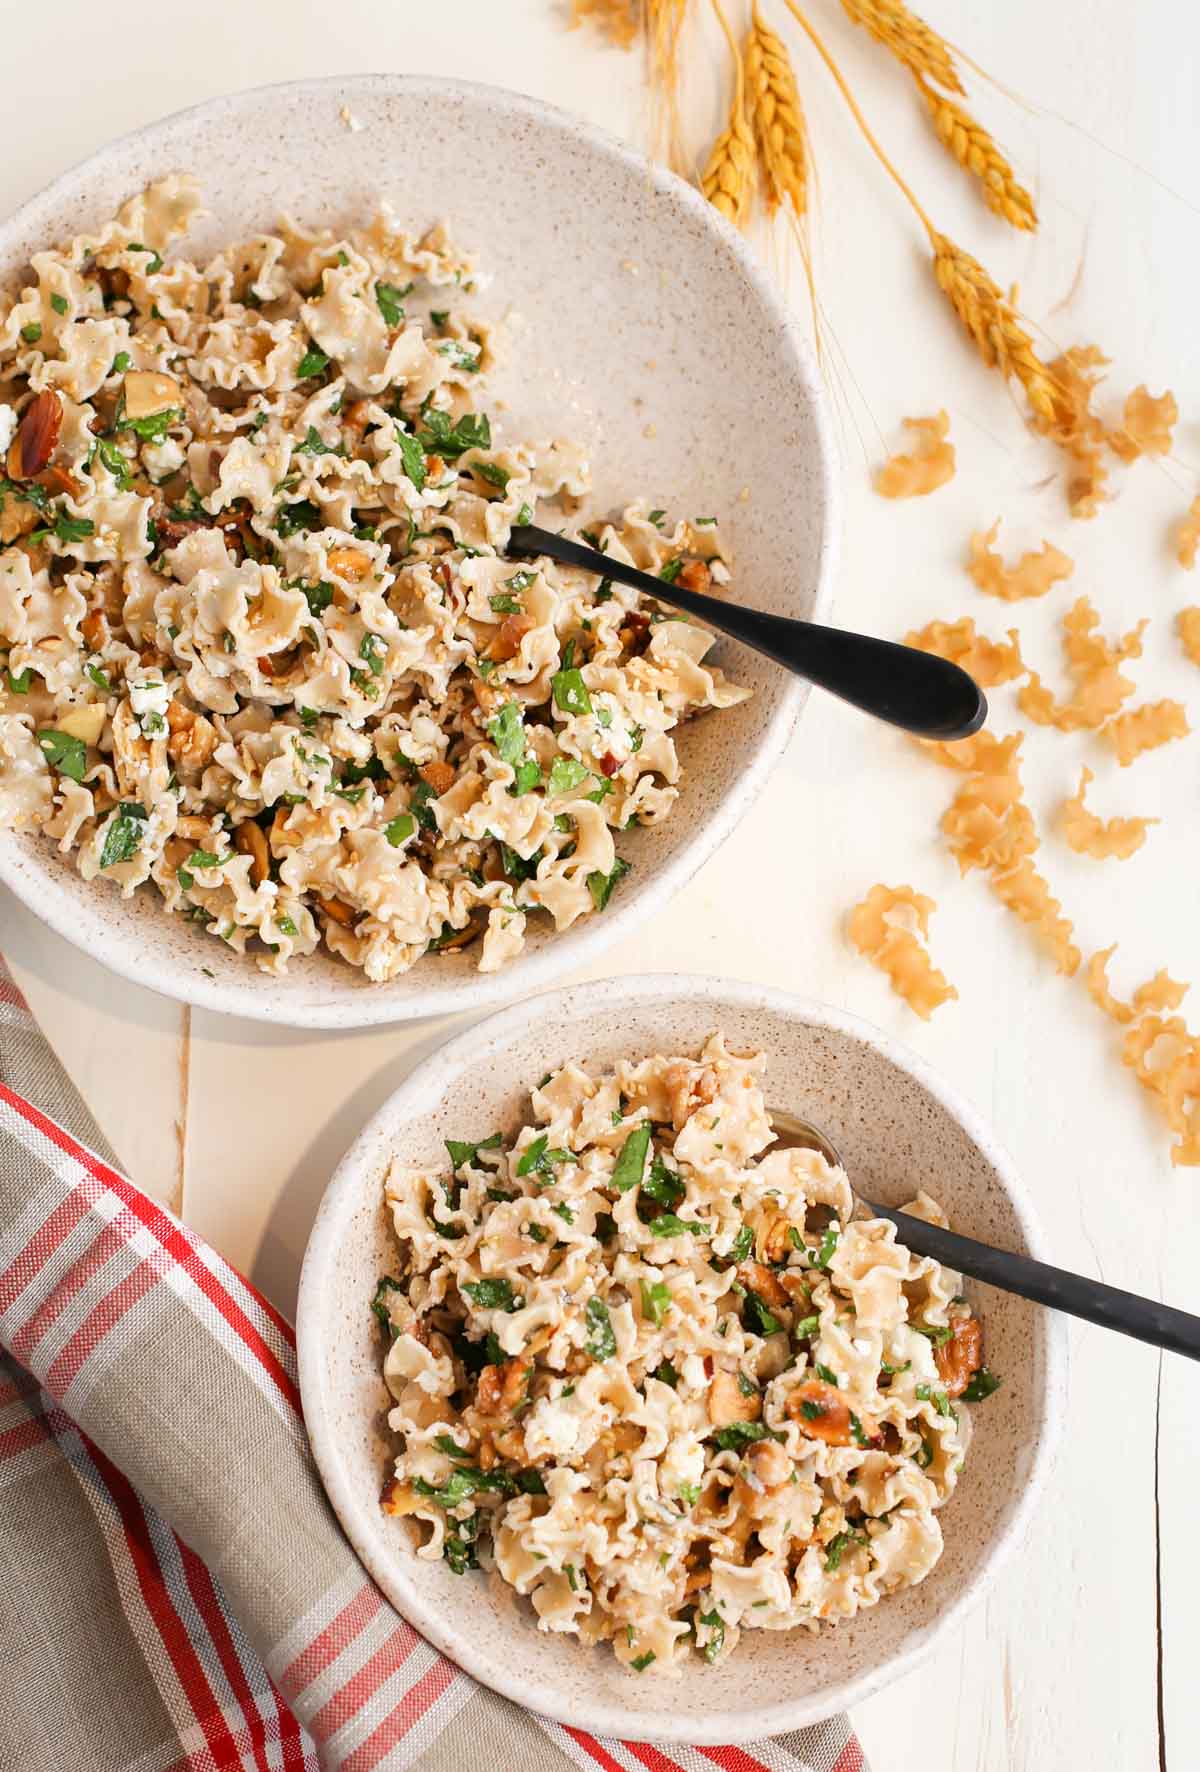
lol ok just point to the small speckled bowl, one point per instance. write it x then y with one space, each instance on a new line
898 1128
635 321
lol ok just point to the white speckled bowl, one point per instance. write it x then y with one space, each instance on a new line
898 1128
645 329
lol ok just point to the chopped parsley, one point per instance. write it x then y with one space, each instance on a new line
570 692
666 1374
19 681
656 1296
740 1434
805 1327
670 572
374 650
601 886
154 427
312 363
925 1393
631 1162
938 1333
837 1547
413 457
656 518
450 438
31 333
461 1151
716 1634
123 834
757 1318
379 1303
602 1342
59 303
829 1242
663 1184
981 1385
399 829
566 774
389 300
298 517
66 753
640 1663
742 1244
491 1295
830 1377
493 473
315 444
667 1225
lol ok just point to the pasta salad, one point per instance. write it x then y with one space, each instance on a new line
261 646
652 1372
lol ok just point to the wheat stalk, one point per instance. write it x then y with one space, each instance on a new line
909 39
663 23
728 179
976 298
777 118
992 322
975 149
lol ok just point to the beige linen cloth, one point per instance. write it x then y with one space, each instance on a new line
175 1592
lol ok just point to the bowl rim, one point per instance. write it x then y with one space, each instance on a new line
343 1191
357 1005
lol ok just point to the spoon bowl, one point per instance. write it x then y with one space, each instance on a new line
918 691
1145 1319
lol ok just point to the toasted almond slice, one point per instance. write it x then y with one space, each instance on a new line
86 723
337 910
251 840
37 436
148 392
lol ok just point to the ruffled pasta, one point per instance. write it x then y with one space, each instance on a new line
262 647
649 1369
929 466
889 927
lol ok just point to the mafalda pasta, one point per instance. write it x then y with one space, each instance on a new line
262 649
650 1372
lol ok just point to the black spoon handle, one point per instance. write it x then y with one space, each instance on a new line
925 695
1092 1300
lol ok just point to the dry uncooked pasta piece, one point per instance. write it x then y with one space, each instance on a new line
1159 1048
881 927
1144 729
1076 429
1187 536
1033 575
989 661
618 19
1100 686
983 752
1189 632
1087 834
1096 979
929 466
1149 422
989 826
1024 892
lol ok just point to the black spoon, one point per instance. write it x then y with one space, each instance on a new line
924 694
1143 1318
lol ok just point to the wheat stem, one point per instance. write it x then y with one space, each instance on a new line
777 117
728 179
976 150
839 78
908 38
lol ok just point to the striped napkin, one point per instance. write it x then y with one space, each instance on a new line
175 1594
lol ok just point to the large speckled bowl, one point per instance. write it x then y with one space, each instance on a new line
639 324
898 1128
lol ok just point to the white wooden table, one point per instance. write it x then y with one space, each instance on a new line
1083 1656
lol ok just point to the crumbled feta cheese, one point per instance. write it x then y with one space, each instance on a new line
149 702
163 459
